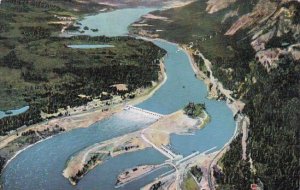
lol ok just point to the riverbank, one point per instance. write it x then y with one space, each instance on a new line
80 117
157 133
132 174
111 148
175 123
218 92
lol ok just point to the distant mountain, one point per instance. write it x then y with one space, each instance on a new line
134 3
84 6
275 30
254 48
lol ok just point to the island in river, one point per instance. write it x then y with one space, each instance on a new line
250 45
156 135
188 87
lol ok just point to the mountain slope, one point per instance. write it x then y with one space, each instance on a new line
254 50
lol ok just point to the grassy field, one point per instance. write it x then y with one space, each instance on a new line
189 183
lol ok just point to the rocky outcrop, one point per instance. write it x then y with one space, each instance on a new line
217 5
274 29
263 10
135 3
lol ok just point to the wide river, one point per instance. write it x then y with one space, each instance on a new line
40 166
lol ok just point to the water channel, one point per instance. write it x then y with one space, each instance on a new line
41 166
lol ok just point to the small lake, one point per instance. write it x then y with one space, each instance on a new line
41 166
87 46
13 112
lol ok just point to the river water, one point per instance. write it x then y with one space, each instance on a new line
41 166
13 112
113 23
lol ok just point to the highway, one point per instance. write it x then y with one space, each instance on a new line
214 160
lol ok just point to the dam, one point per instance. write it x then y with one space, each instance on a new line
50 156
147 112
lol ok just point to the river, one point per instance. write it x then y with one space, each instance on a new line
13 112
41 166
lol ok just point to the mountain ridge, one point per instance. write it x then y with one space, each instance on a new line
254 50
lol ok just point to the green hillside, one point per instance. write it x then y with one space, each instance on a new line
38 69
271 93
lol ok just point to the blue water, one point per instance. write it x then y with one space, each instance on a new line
181 88
95 178
14 112
89 46
41 166
112 23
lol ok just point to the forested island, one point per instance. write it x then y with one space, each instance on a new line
252 47
194 110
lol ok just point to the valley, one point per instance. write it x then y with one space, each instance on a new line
177 95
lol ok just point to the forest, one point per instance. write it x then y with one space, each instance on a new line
273 107
272 98
38 68
194 110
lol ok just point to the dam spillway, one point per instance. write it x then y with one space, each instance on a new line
143 111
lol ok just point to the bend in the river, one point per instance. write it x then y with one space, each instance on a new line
41 166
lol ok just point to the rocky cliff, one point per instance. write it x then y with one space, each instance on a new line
254 50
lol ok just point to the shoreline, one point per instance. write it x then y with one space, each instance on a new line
25 148
77 161
136 140
233 107
146 94
236 106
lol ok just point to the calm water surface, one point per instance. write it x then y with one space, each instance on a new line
41 166
13 112
112 23
89 46
181 88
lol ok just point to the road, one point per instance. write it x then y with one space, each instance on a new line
214 160
154 146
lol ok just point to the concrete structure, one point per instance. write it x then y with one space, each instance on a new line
172 154
129 107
